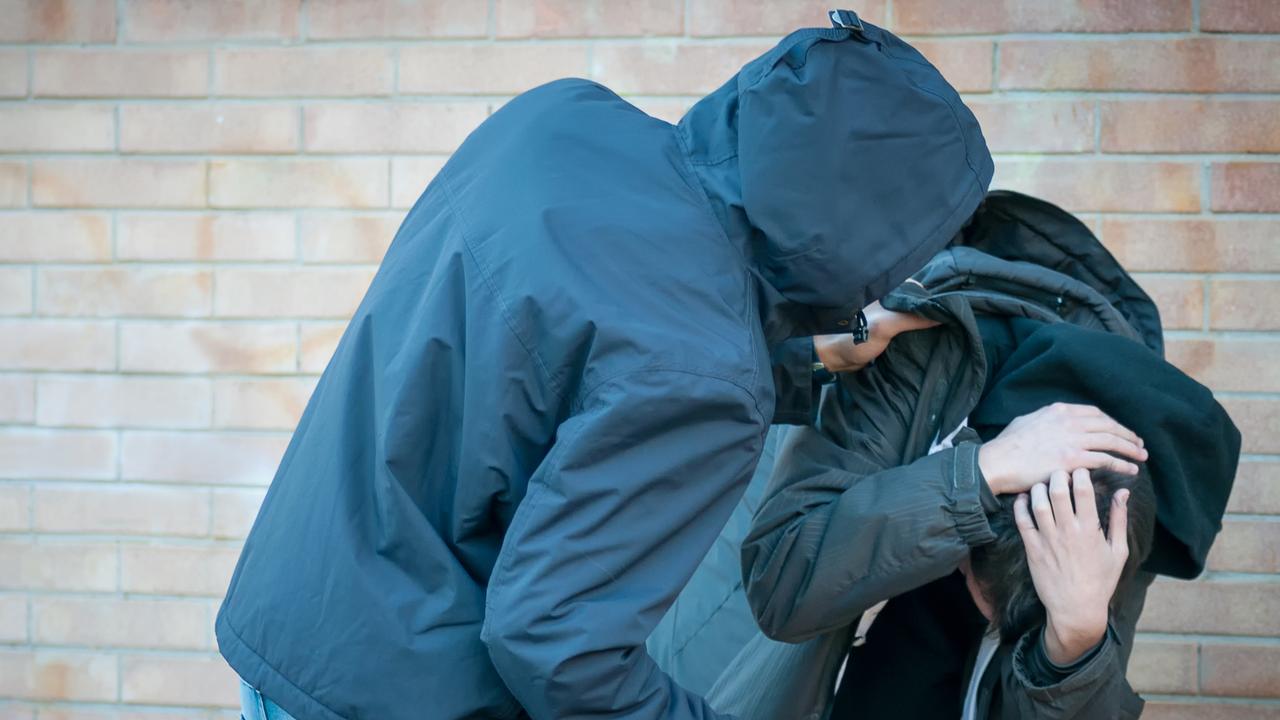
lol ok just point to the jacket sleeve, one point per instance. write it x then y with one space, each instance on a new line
636 487
847 521
1096 690
794 382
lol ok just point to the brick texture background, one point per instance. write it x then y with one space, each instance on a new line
195 194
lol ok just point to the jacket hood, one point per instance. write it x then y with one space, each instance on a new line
1017 227
841 161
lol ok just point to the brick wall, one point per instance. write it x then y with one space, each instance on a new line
195 194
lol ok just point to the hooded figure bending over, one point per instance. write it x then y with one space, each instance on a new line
560 380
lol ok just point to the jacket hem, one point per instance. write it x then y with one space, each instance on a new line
253 669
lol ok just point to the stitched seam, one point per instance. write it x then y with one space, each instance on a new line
505 311
236 633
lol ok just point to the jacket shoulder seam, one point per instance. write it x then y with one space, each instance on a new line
555 384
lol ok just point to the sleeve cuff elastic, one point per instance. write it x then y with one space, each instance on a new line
795 388
966 504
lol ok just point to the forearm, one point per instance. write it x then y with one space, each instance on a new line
831 543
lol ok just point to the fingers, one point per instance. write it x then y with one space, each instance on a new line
1103 461
1060 498
1086 505
1042 510
1118 537
1115 444
1026 526
1101 423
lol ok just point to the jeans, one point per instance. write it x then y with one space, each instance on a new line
255 707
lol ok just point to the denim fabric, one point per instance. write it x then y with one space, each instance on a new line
255 707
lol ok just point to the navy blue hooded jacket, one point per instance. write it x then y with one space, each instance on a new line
559 382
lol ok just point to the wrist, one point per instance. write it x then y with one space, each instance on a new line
990 466
1066 642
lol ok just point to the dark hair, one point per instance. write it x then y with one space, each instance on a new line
1000 567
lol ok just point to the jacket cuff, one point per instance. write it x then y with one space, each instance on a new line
795 389
1096 663
966 504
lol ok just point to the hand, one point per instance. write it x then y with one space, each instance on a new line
1053 438
1074 567
839 354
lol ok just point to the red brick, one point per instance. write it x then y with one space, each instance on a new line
1186 126
15 291
1198 709
200 347
56 128
122 509
1240 669
124 292
400 19
1180 299
410 176
1245 16
260 403
56 345
1104 185
1246 365
303 71
966 64
1185 65
1258 420
57 675
55 565
182 21
488 69
728 18
1047 126
222 458
13 184
1247 546
176 569
120 73
318 343
587 18
1162 666
348 238
281 292
402 127
133 623
947 17
57 454
118 182
17 399
1244 304
13 73
1257 488
221 128
1194 245
234 512
285 183
54 21
54 237
203 680
1245 187
669 67
205 237
123 401
1180 606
